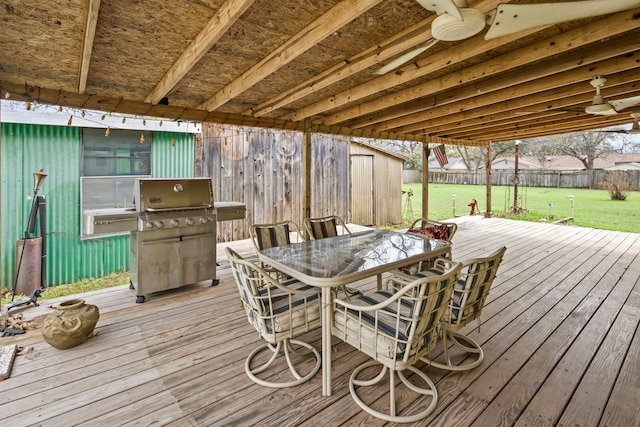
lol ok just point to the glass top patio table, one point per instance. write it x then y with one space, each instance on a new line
340 260
343 259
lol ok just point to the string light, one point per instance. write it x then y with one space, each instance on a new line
103 116
160 123
108 131
173 142
142 138
144 122
28 105
124 119
7 95
83 113
70 120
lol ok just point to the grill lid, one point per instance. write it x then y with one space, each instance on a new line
165 194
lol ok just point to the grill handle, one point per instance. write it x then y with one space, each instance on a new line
167 240
180 208
199 236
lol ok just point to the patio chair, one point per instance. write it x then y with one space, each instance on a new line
396 329
279 312
466 305
264 236
321 228
434 229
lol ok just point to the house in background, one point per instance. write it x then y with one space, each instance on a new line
567 163
454 164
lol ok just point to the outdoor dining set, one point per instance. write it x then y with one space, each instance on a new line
297 285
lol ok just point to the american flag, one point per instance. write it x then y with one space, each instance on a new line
441 155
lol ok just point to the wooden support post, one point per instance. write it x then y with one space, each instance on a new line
487 212
425 180
306 168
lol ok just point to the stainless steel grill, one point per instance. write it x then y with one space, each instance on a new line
174 243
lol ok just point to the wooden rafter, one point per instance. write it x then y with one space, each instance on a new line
513 60
215 28
93 7
318 30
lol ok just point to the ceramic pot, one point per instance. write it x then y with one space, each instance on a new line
71 324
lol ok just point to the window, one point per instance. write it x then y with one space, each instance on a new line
110 166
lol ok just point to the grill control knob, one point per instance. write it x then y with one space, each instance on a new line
148 225
158 224
175 223
203 220
189 221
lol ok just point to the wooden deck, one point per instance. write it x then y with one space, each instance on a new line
560 335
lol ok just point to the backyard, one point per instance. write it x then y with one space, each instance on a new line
591 208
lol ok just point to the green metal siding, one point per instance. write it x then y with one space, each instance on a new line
25 149
172 155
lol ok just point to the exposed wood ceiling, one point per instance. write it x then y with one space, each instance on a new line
310 64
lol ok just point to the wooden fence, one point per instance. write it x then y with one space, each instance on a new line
594 179
263 168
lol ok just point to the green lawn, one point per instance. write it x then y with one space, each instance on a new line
591 208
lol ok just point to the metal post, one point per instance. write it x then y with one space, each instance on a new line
571 202
453 200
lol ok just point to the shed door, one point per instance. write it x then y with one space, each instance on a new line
362 190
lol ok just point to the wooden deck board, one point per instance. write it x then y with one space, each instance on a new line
560 335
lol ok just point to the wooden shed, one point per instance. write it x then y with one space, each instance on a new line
376 185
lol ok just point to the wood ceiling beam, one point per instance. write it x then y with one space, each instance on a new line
57 97
508 118
581 74
563 122
472 47
560 126
607 27
91 20
410 38
338 16
228 13
415 35
531 96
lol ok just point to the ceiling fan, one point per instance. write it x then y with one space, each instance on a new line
600 107
456 21
635 127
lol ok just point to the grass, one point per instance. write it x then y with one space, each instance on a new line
591 208
84 285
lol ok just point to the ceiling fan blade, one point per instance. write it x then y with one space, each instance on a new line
403 59
513 18
621 104
441 7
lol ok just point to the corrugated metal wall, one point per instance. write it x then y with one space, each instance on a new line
172 155
57 149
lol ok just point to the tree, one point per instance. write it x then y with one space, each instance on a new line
585 146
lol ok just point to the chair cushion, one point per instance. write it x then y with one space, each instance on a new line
324 229
289 311
436 231
391 341
270 237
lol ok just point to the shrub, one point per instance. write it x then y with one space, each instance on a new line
617 186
